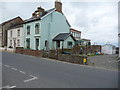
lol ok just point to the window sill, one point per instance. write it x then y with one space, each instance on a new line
37 35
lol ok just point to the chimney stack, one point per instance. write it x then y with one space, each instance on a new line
38 13
41 11
58 6
34 15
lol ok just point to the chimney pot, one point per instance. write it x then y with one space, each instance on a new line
41 11
34 15
58 6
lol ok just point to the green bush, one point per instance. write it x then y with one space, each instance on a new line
90 54
93 64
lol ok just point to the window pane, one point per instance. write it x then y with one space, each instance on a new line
18 32
69 44
37 28
11 33
28 43
28 30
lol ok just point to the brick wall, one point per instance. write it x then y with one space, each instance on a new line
29 52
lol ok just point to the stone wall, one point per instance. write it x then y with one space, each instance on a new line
53 55
63 57
86 49
71 58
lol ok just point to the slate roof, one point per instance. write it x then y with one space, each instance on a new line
63 36
86 39
47 12
16 26
11 20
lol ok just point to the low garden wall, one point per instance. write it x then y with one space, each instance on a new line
63 57
52 55
71 58
2 49
10 50
7 49
29 52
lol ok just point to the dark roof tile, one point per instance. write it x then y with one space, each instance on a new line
38 18
62 37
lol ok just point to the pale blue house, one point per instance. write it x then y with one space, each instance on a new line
45 28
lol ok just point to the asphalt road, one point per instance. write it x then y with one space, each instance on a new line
21 71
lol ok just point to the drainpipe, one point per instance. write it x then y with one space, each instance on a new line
119 43
2 35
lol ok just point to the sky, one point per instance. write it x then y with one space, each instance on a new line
98 21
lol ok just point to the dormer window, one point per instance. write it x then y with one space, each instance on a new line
37 28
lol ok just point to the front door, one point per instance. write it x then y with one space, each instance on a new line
37 44
58 44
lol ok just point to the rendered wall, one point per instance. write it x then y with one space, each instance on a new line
51 26
15 35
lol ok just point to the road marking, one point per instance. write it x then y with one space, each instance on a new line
31 76
31 79
8 86
6 66
12 87
22 72
14 69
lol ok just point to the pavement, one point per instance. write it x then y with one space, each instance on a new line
22 71
104 61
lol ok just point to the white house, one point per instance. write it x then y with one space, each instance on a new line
108 49
15 36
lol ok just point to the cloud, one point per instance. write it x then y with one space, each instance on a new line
98 21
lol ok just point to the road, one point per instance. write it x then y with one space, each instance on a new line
22 71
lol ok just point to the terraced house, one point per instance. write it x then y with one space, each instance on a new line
48 29
5 26
15 36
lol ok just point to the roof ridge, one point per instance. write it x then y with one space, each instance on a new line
11 19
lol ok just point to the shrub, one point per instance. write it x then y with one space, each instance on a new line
93 64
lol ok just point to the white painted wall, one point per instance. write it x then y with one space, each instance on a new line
119 45
15 37
0 35
119 41
108 49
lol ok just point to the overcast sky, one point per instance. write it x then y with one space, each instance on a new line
98 21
